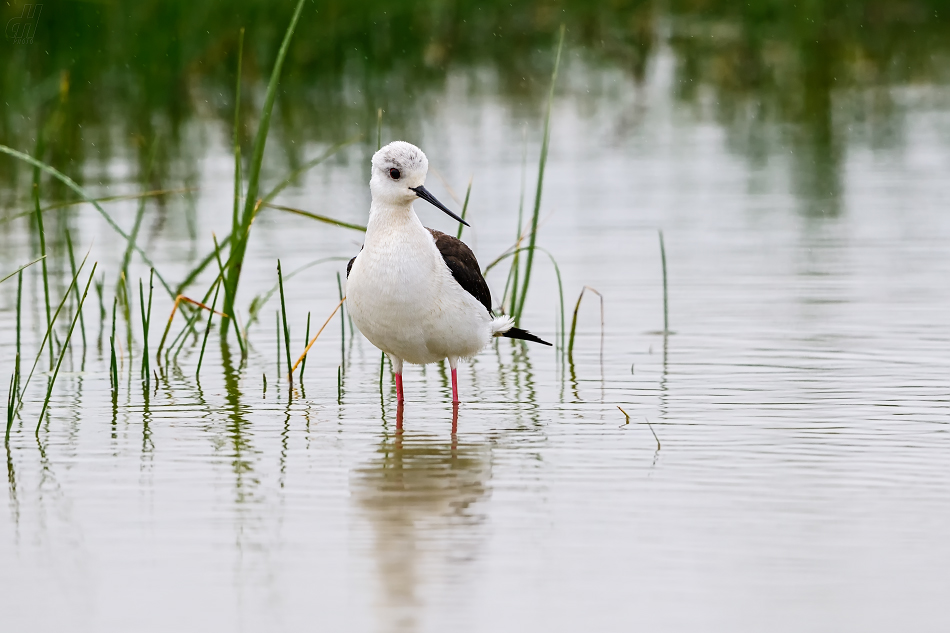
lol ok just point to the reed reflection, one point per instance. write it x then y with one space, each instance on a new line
421 494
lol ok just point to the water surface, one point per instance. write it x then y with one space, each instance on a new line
801 400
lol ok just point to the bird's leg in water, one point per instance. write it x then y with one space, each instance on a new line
455 381
397 367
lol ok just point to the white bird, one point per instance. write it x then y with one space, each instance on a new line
416 293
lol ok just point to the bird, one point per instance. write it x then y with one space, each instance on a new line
416 293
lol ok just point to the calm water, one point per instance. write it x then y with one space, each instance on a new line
801 402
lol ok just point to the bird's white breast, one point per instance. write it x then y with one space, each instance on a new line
403 298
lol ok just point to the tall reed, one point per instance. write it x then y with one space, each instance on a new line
533 235
241 222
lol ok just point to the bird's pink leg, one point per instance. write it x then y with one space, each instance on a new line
455 381
397 369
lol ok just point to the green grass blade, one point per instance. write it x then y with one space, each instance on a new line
62 352
303 363
19 305
666 305
242 232
21 269
69 182
139 214
516 261
468 192
283 311
258 303
71 203
204 341
197 270
279 370
557 273
232 316
314 216
12 397
114 362
577 306
238 175
49 330
41 232
533 235
72 269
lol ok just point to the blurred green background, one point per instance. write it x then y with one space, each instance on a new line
101 78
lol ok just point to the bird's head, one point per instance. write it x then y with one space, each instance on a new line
399 173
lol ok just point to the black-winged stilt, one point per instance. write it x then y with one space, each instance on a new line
416 293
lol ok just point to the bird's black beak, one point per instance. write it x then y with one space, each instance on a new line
423 193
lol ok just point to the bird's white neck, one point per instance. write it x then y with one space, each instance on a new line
387 220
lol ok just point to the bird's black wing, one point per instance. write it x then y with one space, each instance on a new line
461 261
349 264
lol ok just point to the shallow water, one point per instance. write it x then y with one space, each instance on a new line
801 402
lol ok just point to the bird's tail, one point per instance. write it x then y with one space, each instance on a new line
500 325
505 326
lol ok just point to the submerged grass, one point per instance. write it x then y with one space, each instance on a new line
63 349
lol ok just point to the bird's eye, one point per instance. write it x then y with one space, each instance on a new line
394 173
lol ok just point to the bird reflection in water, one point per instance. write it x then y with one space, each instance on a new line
421 495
